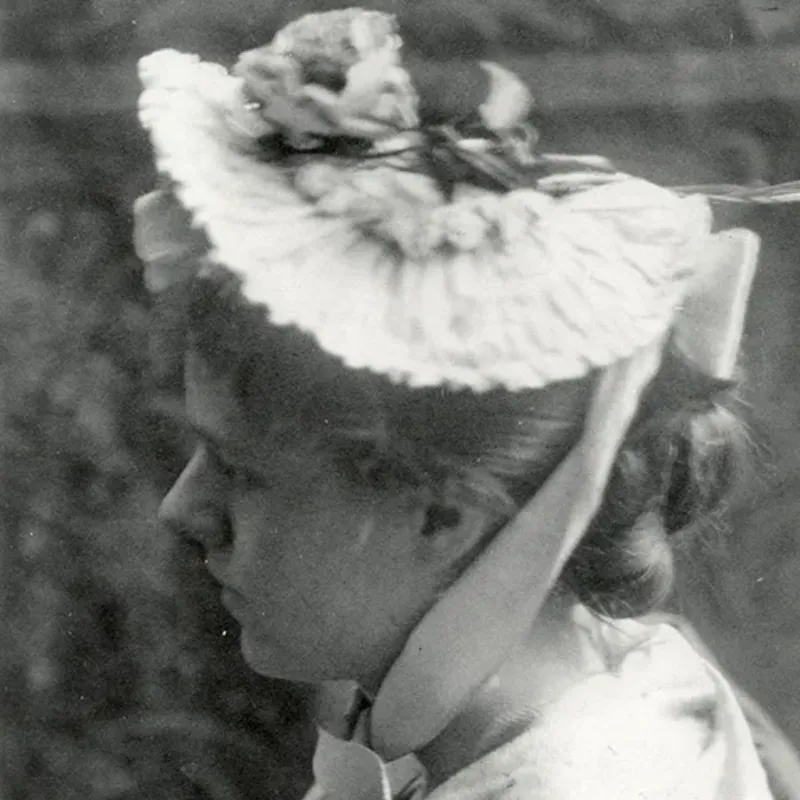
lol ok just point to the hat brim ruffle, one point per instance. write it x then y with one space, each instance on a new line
551 289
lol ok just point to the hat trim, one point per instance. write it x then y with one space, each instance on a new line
551 289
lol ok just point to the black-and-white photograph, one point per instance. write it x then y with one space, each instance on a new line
400 401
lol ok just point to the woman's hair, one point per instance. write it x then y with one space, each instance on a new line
495 449
685 453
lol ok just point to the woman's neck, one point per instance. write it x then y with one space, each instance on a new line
557 655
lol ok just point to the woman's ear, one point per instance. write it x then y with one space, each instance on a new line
449 528
440 517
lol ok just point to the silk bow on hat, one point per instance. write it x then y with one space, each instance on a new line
459 645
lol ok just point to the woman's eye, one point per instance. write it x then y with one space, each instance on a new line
241 477
245 479
380 473
248 480
216 460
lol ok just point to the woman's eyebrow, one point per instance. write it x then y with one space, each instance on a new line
223 451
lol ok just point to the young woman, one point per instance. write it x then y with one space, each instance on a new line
453 398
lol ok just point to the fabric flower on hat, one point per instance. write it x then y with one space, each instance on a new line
336 74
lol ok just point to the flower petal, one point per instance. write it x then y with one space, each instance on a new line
267 74
508 103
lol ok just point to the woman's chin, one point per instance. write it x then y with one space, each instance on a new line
269 662
259 657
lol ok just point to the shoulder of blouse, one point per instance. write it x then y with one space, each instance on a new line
660 723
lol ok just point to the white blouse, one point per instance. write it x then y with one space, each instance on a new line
660 724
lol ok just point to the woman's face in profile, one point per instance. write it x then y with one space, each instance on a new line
325 574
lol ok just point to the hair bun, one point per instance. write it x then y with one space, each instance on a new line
625 572
682 459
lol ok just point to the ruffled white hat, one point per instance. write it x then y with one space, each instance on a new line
468 284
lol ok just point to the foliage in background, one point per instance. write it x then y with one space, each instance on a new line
98 30
119 672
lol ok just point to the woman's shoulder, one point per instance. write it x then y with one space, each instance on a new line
660 722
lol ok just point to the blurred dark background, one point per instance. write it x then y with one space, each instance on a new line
119 673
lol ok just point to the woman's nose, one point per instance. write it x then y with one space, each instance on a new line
196 504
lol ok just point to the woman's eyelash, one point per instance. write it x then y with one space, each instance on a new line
242 476
215 457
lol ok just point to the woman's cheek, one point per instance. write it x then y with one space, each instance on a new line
255 538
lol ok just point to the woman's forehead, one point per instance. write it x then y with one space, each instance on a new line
269 437
249 385
214 404
254 394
